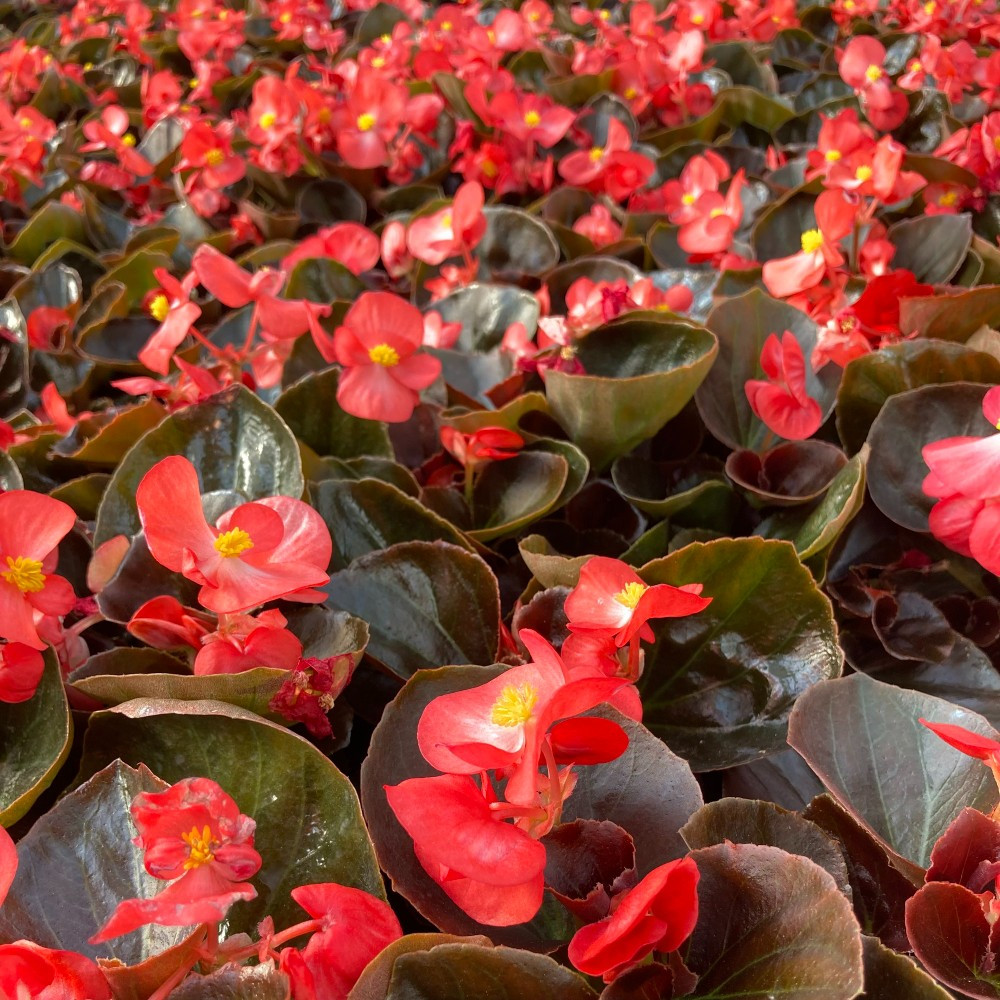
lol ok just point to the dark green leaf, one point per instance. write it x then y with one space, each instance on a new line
889 976
235 441
35 737
931 246
641 370
312 413
896 777
907 422
771 924
427 604
309 826
742 325
870 380
718 686
369 515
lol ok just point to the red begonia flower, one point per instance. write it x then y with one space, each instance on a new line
310 690
370 119
964 740
485 445
21 669
8 863
612 168
29 971
835 216
861 68
503 723
451 230
31 527
489 868
612 598
963 477
44 323
782 402
714 220
110 131
877 309
176 313
257 552
353 245
243 642
164 623
377 346
193 835
701 175
658 914
645 295
355 927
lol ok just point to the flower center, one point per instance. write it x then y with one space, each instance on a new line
832 155
214 157
916 66
324 115
863 173
366 122
716 212
688 199
812 240
446 26
159 307
128 139
200 846
874 73
233 543
631 93
630 594
514 706
285 17
25 122
378 62
384 355
948 198
26 574
489 168
596 153
267 119
697 18
532 118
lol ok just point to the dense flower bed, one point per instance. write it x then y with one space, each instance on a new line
544 454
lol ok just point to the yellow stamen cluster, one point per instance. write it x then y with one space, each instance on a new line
366 121
128 139
384 355
25 574
233 543
267 119
812 240
630 594
159 307
864 172
200 845
514 706
832 155
532 118
214 157
948 199
596 153
874 73
688 199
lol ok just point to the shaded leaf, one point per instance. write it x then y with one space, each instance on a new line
427 603
893 775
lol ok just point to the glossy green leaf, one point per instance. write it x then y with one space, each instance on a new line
931 246
310 409
648 791
718 686
786 931
896 777
35 738
76 864
369 515
746 821
309 825
427 603
662 489
889 976
742 325
907 422
235 441
640 371
871 379
834 512
511 494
